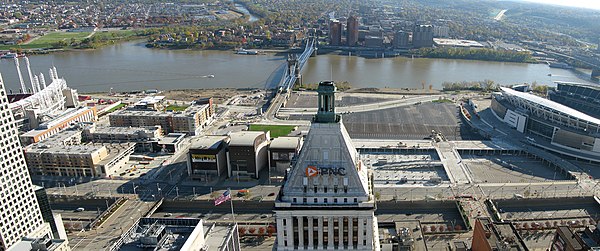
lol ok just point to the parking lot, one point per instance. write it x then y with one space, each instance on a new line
309 100
429 213
405 168
77 213
540 211
412 122
510 169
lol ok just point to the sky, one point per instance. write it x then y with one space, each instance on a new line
590 4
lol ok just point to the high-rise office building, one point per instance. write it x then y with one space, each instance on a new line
423 36
327 200
401 40
352 33
335 32
20 215
441 31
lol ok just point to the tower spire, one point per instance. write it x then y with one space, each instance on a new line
326 109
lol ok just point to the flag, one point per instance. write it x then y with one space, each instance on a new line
224 197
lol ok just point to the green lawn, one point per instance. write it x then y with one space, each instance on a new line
115 108
276 130
177 108
47 40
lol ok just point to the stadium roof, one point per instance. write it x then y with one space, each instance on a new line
552 105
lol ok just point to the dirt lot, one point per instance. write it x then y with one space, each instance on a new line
219 95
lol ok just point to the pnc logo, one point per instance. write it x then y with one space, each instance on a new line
311 171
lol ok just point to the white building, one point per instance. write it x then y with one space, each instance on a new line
327 201
20 215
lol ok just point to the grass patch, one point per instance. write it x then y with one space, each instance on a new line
48 40
276 130
177 108
115 108
443 101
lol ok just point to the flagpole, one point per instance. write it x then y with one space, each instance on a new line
231 203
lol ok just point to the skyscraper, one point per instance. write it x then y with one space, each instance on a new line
327 200
335 32
423 36
401 40
352 33
20 215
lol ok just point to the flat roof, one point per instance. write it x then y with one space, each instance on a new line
171 138
207 142
457 42
244 138
285 143
552 105
215 236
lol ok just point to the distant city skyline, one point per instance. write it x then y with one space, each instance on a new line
589 4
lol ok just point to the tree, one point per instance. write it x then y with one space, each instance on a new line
242 231
261 231
271 230
252 230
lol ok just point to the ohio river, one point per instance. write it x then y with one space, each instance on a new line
131 66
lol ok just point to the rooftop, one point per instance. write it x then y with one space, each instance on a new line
285 143
244 138
172 138
552 105
456 42
207 142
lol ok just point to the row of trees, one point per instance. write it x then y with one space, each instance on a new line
260 232
485 85
477 54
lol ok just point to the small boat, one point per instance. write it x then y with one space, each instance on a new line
11 55
210 76
243 51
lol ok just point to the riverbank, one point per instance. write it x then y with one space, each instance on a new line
62 41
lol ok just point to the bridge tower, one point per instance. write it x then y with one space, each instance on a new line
596 73
315 49
298 75
292 62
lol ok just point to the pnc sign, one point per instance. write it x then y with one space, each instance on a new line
312 171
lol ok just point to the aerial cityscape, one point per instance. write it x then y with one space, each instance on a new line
299 125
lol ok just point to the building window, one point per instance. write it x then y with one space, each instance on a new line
325 200
315 200
304 200
295 200
335 200
325 189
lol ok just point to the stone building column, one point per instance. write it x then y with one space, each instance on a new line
280 238
301 232
341 232
361 229
370 232
290 231
311 237
330 233
350 232
320 229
